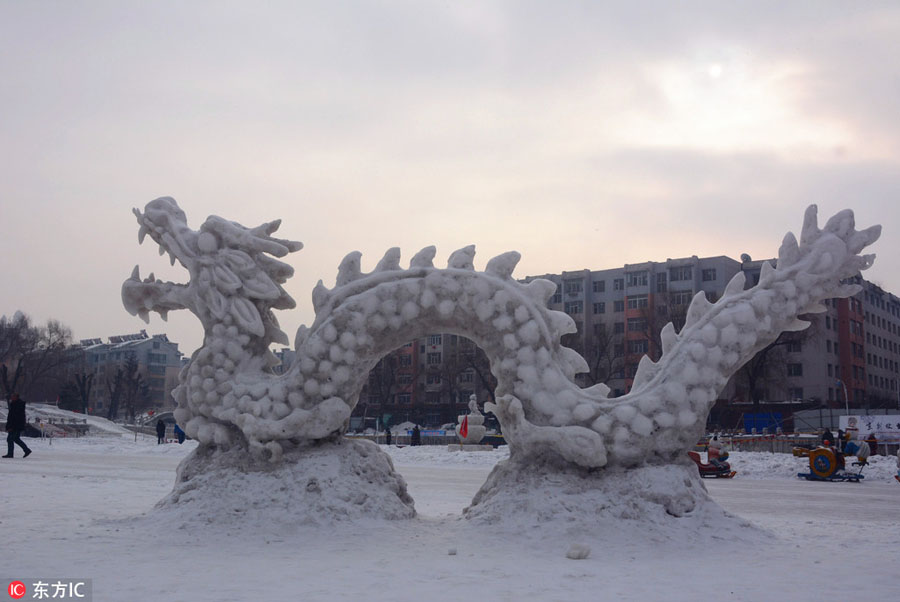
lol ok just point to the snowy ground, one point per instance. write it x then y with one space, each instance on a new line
80 508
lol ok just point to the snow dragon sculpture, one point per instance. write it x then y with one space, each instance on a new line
228 395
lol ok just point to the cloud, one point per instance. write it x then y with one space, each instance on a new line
585 135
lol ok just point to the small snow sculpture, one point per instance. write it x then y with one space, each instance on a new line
228 395
470 428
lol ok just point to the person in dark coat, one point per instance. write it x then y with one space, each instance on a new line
15 424
873 444
387 436
160 432
827 438
416 438
179 433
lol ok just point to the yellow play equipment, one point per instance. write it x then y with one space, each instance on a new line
826 462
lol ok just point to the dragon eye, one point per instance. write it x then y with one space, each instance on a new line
207 242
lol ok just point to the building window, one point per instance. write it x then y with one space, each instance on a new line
637 278
405 360
637 324
794 347
433 359
467 377
682 273
619 327
404 398
433 379
796 393
618 305
639 346
795 369
619 284
708 275
573 286
661 285
681 298
404 379
618 350
434 339
599 286
574 307
557 297
600 308
637 301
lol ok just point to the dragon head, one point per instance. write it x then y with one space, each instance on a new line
166 224
233 278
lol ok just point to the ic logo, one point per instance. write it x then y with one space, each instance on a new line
16 590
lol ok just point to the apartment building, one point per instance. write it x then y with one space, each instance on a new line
620 311
158 360
854 345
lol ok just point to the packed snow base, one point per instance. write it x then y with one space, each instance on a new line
229 400
327 481
72 508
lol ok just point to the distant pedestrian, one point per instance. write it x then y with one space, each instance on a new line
827 438
416 438
179 433
387 436
873 444
160 432
15 424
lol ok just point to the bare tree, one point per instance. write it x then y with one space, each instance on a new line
135 391
600 354
115 386
76 393
478 361
32 356
766 370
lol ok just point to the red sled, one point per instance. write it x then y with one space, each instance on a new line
719 470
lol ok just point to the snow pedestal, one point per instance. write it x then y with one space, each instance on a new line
328 482
655 500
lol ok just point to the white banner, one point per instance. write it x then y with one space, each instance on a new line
885 427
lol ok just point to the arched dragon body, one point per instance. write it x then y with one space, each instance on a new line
229 394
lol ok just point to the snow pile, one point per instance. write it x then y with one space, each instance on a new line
45 412
320 484
437 455
765 465
125 445
650 503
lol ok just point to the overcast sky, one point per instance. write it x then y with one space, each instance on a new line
582 134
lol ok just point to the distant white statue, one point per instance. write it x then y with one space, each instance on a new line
470 428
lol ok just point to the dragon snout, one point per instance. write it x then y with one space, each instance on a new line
140 297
